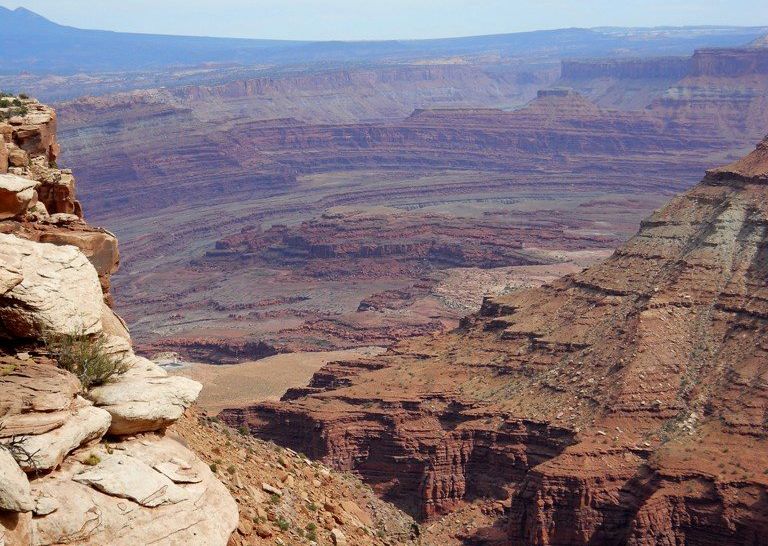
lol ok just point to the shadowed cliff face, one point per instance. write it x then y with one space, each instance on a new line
623 405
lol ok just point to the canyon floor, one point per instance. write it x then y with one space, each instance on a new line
228 385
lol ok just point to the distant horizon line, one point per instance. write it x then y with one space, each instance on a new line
598 29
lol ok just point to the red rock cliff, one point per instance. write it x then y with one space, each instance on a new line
622 405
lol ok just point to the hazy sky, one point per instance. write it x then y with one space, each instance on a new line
382 19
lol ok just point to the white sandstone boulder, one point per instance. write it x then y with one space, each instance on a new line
59 294
15 492
127 477
48 450
17 194
145 398
107 512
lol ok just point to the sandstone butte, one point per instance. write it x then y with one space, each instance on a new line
100 465
625 404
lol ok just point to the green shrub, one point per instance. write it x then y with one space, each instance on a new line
283 524
92 460
4 103
86 357
16 102
213 467
8 369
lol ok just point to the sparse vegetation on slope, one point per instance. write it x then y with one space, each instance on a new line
86 357
284 498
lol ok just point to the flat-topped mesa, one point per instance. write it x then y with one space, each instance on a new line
69 376
568 105
730 62
626 69
726 88
598 409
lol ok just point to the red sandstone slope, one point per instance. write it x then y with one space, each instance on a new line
623 405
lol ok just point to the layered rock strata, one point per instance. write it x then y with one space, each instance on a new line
82 464
621 405
723 84
635 69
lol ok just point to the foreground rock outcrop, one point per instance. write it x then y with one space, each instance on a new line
622 405
82 463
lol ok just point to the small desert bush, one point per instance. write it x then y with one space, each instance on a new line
92 460
86 357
